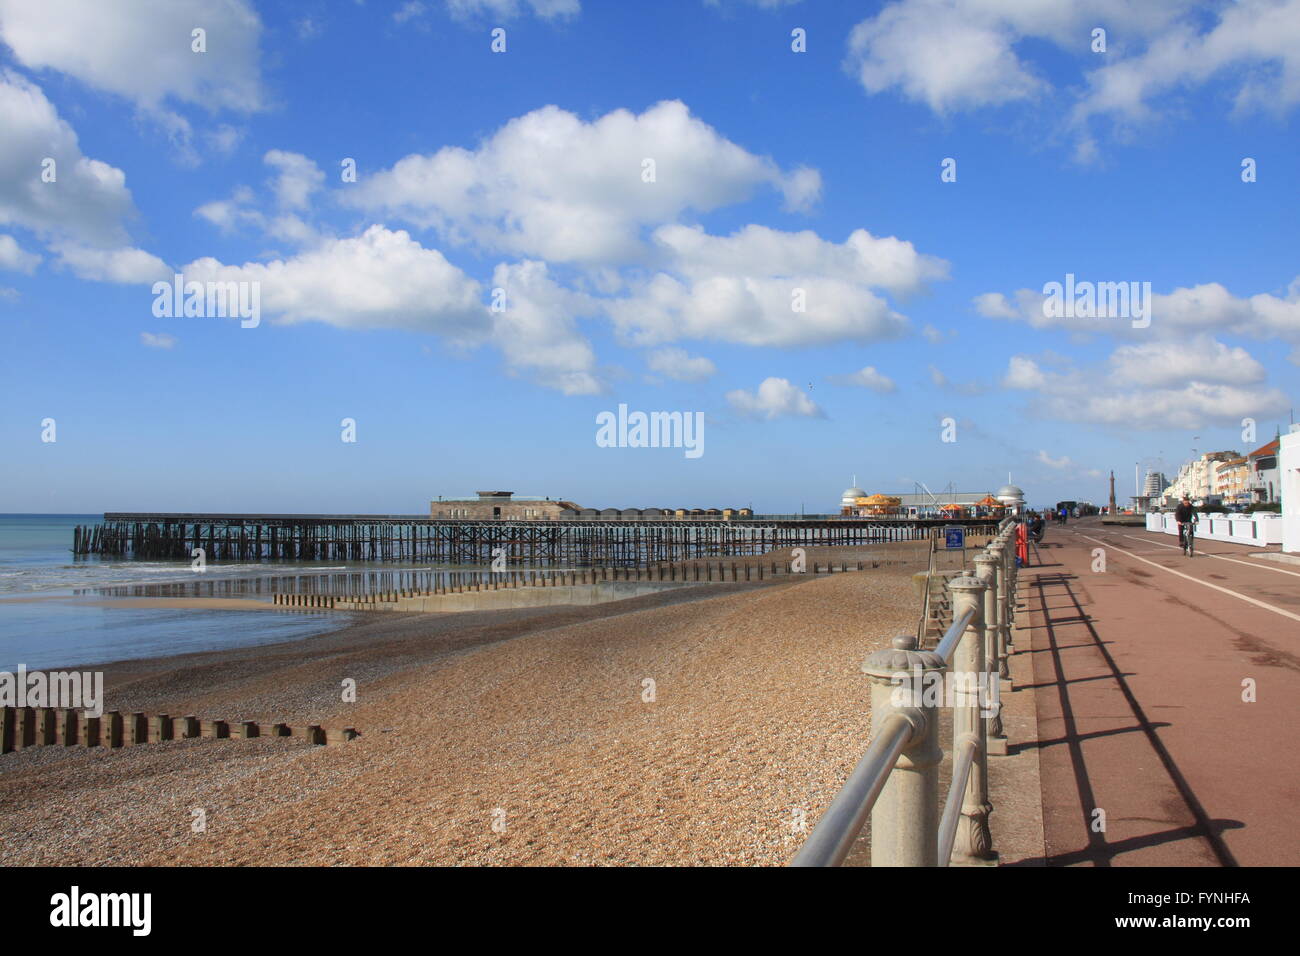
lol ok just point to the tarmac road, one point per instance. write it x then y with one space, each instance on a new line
1142 670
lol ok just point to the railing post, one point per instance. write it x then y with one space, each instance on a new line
974 843
905 818
1006 565
986 569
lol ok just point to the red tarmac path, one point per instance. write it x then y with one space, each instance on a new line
1138 675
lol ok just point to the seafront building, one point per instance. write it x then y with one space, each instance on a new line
1263 477
1231 481
1225 478
1196 478
1155 485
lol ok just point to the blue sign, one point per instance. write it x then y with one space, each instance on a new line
954 537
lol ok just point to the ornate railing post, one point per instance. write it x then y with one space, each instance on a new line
1008 594
974 843
986 569
906 815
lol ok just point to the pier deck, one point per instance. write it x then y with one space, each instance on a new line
579 542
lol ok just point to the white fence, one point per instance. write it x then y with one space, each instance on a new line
1258 529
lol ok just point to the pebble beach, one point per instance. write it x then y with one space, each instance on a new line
702 726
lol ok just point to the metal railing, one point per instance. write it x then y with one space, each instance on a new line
896 782
925 602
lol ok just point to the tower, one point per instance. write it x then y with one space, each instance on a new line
1112 492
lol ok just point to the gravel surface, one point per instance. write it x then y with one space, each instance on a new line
504 737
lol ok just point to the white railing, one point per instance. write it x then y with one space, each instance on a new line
1260 529
896 783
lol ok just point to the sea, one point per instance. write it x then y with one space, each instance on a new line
58 609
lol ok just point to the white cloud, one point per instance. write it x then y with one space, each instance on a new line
1109 396
764 4
409 11
1174 363
551 185
887 263
1259 40
752 311
14 258
1023 373
123 265
1058 463
939 380
380 279
160 341
941 53
1206 308
937 336
509 9
141 49
678 364
88 200
957 55
747 288
537 332
296 179
868 377
775 398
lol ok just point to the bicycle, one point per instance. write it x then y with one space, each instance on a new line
1189 535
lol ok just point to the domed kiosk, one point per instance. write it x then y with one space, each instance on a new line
1012 498
849 500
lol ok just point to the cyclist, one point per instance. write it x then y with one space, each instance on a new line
1184 514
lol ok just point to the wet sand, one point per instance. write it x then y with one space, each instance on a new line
526 736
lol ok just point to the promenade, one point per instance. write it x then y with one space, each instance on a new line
1137 680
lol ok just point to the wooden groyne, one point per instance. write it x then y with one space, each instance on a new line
475 581
24 727
566 542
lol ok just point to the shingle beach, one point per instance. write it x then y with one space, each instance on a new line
487 738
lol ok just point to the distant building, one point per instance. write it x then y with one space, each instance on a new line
1196 477
500 504
849 500
505 505
1012 498
1231 481
1263 479
1155 485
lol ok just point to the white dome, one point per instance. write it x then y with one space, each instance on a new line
851 496
1009 491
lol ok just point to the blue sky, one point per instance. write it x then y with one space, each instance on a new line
523 170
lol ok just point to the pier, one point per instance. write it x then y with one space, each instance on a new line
567 542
